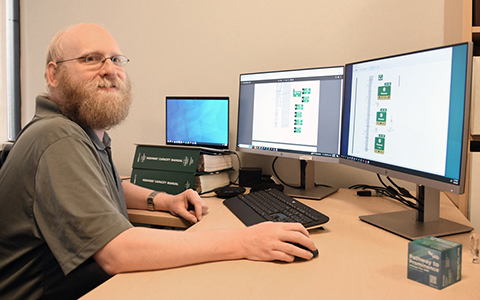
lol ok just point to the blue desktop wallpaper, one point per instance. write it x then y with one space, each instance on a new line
203 121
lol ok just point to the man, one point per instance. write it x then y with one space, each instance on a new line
64 225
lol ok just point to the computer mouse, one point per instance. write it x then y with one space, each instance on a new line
315 252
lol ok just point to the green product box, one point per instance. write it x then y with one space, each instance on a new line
435 262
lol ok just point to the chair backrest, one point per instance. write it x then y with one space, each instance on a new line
3 154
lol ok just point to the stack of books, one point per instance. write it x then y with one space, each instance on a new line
174 169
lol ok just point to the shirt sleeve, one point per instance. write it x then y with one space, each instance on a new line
73 208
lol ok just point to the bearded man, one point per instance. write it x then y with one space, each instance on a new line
64 225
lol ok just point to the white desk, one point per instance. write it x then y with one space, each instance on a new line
356 261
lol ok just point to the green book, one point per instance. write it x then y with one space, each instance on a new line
174 182
183 159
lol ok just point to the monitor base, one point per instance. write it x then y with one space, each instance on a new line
315 193
404 224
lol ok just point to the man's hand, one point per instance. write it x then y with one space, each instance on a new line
188 205
273 241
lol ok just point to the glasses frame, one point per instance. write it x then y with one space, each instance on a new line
122 62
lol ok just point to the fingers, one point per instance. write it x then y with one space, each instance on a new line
300 251
276 241
297 242
195 207
200 207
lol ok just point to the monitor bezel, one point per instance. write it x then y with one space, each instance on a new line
414 176
201 145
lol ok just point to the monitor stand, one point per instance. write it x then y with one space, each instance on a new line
412 224
307 188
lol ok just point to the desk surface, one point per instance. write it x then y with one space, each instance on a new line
143 216
356 261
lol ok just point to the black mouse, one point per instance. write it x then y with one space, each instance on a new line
314 252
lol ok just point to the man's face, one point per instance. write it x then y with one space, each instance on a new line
99 103
97 96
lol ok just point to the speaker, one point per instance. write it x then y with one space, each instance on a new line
250 176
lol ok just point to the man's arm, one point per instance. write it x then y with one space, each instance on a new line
187 205
139 249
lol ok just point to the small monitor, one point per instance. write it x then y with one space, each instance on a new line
197 121
294 114
407 116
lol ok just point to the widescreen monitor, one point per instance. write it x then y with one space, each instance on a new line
294 114
406 116
197 121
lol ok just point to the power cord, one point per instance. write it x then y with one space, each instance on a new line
239 167
289 185
395 192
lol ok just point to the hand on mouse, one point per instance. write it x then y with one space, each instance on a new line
275 241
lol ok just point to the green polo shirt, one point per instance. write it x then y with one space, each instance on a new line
61 201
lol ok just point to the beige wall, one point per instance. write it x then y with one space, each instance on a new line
199 47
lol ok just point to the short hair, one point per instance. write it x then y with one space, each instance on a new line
54 52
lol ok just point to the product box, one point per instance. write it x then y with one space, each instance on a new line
435 262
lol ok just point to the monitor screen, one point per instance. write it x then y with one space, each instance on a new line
406 116
197 121
292 113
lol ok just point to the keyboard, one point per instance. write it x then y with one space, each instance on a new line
273 205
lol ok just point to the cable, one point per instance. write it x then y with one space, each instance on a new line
396 193
400 194
278 177
239 167
289 185
403 191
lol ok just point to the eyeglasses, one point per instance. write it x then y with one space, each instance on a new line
96 59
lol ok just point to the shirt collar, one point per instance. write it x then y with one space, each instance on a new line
96 141
47 107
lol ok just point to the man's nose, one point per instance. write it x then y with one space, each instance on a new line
108 68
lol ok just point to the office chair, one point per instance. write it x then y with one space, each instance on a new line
3 154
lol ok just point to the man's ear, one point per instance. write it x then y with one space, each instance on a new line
51 74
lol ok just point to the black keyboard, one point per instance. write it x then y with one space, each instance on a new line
273 205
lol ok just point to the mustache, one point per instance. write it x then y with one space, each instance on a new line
107 82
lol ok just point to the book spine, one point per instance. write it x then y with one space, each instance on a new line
165 158
166 181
